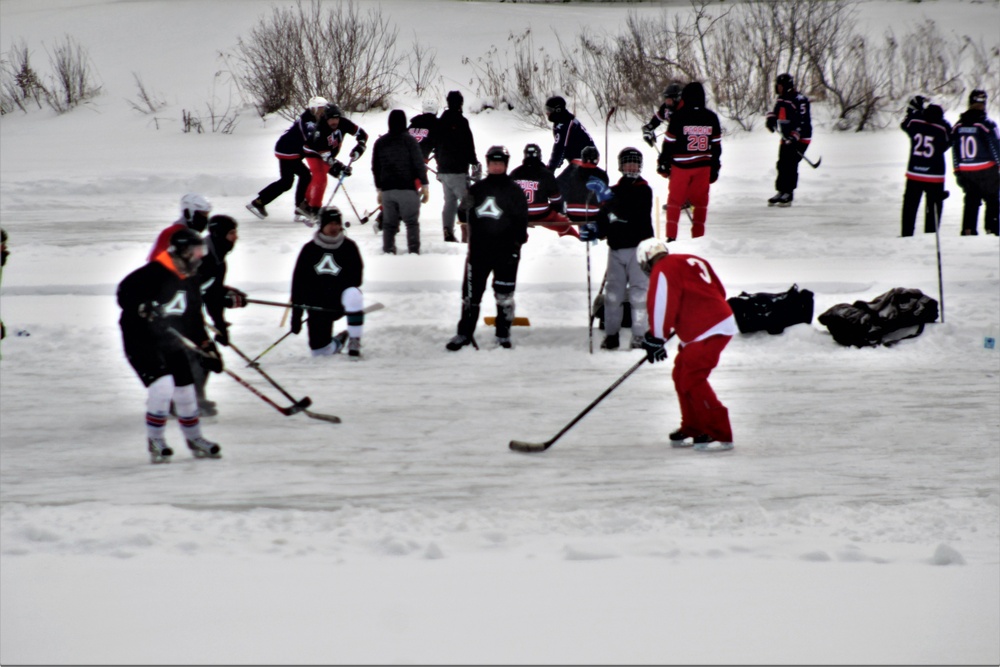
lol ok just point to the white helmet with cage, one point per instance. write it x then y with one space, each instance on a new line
648 252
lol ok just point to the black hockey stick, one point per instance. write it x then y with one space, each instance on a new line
607 121
366 216
253 362
530 447
314 415
810 162
295 408
356 214
368 309
340 180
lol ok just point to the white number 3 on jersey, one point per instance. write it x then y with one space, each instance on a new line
702 269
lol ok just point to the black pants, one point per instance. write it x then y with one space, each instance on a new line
981 186
915 190
788 166
320 327
289 170
503 266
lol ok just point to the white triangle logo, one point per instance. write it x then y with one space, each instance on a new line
489 209
177 305
328 266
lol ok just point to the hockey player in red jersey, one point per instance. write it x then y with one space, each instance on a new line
685 298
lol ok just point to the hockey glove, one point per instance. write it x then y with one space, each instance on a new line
296 321
222 335
916 104
150 311
359 150
588 232
714 174
771 123
655 348
212 360
600 189
663 167
649 135
235 298
425 194
477 172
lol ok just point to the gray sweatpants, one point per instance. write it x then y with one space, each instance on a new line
625 280
401 205
456 194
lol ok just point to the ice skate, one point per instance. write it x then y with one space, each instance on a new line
257 209
338 342
458 342
783 200
204 449
354 348
159 450
712 445
610 342
504 342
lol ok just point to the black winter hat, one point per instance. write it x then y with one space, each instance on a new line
455 100
977 97
220 225
397 121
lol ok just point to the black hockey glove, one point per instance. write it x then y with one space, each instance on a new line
222 334
655 348
211 360
916 104
296 321
771 123
359 150
588 232
714 174
150 311
649 135
235 298
663 166
337 168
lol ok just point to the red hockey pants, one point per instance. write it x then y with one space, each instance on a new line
317 186
701 410
688 185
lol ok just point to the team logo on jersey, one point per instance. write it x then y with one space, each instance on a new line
419 133
612 218
328 266
177 305
489 209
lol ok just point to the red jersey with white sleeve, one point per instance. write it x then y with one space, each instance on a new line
687 298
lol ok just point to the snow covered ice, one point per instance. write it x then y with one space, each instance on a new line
857 520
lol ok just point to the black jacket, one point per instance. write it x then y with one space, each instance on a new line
325 140
626 218
323 272
569 138
212 278
397 163
581 205
422 128
498 215
456 149
178 300
540 188
694 135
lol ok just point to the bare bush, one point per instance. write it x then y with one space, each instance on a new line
73 76
296 53
20 85
421 67
147 102
220 116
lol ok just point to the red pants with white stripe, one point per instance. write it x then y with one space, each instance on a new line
317 186
701 410
688 185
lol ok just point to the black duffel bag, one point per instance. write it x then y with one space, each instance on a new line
772 313
889 318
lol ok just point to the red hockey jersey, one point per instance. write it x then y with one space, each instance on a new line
687 298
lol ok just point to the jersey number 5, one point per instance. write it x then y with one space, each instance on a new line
702 269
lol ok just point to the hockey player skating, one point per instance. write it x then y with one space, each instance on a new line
289 150
328 274
686 299
216 295
321 150
545 201
422 128
455 153
498 227
625 219
930 138
792 119
569 136
157 300
581 206
975 156
401 181
671 101
194 215
690 158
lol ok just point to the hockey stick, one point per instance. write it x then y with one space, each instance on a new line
315 415
253 362
295 408
531 447
607 121
812 164
356 214
340 180
366 216
937 239
368 309
600 291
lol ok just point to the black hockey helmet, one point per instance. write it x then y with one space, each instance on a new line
183 244
329 214
630 155
977 97
332 111
532 152
555 104
673 91
786 82
498 154
590 155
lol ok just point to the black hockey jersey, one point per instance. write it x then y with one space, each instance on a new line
626 218
422 129
569 138
793 113
540 189
497 215
694 135
291 144
581 205
326 140
976 142
928 143
178 300
324 270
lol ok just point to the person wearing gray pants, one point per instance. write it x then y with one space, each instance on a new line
399 171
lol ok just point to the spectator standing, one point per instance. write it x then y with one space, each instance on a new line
456 156
401 181
975 155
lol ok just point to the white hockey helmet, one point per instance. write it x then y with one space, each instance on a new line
648 252
430 106
317 102
191 203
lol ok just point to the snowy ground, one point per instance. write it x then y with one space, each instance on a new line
857 521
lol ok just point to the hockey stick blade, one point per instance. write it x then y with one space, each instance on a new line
297 407
814 165
529 447
333 419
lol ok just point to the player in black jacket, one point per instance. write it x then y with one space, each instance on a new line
540 188
975 157
691 159
671 100
328 275
930 138
216 296
569 136
422 128
498 227
321 150
792 118
157 300
581 206
625 220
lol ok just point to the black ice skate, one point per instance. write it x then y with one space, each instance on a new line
257 209
354 347
610 342
458 342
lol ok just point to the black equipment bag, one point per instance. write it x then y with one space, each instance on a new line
889 318
772 313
